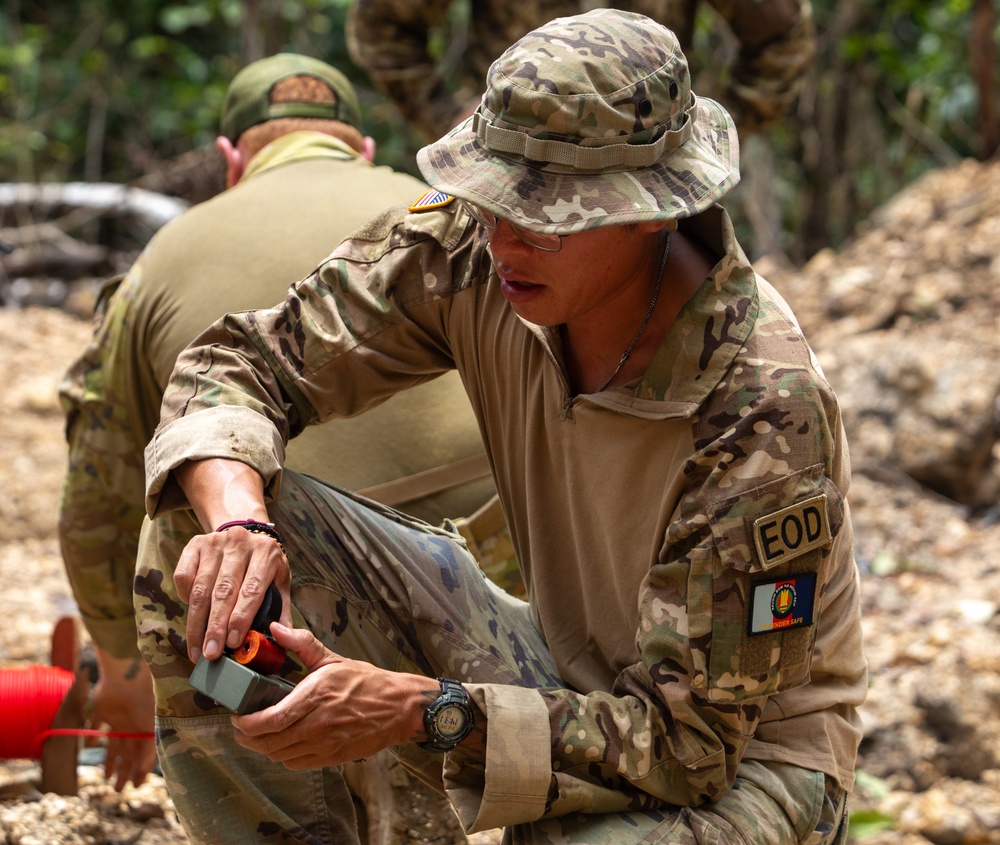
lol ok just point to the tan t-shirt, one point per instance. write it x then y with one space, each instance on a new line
242 249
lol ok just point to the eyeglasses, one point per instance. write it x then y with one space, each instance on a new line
546 242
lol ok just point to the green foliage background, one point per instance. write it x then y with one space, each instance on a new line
97 89
87 89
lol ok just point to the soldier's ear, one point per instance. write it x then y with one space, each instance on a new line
234 160
368 148
658 225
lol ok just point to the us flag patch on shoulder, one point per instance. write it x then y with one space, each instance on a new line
432 199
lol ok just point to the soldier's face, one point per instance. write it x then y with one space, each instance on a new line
594 271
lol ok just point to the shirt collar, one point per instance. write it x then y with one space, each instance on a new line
298 146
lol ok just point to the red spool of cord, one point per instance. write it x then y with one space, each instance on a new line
30 696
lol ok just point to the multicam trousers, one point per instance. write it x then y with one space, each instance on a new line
376 585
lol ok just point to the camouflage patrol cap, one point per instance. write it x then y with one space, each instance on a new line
248 99
589 121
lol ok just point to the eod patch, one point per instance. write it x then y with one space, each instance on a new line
784 535
782 604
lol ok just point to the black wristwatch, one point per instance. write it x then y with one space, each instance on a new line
449 719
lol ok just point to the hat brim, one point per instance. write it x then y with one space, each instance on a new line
683 183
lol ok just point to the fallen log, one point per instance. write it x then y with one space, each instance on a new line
66 259
105 198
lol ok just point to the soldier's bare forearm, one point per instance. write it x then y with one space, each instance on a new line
220 490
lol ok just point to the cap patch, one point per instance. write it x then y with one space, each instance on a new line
248 98
432 199
784 535
782 604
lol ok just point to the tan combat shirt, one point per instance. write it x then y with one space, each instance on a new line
242 249
685 541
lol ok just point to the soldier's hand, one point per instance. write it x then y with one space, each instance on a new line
123 700
344 710
223 577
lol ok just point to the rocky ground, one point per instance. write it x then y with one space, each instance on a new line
904 320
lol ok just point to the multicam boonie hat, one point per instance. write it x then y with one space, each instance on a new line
589 121
248 99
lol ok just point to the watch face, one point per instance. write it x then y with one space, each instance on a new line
450 721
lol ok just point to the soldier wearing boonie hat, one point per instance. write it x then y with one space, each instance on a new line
670 459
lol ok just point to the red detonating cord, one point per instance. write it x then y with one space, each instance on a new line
30 697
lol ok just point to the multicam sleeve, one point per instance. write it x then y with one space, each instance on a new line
390 40
777 43
101 505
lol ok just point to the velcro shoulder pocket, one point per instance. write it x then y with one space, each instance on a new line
771 543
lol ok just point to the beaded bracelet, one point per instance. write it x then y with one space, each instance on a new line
255 527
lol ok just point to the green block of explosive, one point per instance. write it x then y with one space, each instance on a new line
237 687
